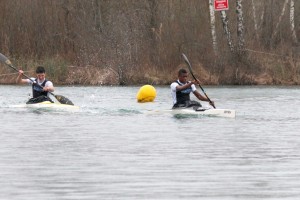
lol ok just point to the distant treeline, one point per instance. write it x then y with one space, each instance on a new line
141 41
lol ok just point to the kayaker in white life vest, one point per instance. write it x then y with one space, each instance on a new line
40 85
181 90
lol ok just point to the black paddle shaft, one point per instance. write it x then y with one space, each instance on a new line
191 71
60 98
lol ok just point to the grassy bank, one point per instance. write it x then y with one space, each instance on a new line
264 71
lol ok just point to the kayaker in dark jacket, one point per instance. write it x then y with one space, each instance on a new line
40 85
181 90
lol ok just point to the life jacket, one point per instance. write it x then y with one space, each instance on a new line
37 90
183 96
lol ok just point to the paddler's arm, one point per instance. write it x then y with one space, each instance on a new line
49 87
183 87
203 98
19 78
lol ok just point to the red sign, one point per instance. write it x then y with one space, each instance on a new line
221 5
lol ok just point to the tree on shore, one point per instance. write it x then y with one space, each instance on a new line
292 21
213 26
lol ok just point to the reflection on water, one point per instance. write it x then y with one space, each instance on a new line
114 149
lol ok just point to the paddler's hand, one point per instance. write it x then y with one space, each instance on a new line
21 72
195 82
19 78
48 89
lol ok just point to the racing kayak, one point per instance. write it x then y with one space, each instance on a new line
205 111
48 105
202 111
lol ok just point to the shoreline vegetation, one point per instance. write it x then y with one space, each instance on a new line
275 71
133 42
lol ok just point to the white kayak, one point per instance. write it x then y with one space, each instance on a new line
206 111
200 111
48 105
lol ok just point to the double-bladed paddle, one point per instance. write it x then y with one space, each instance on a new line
191 71
60 98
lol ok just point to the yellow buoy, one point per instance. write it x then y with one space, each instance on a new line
147 93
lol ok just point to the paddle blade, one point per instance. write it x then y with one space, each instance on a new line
189 65
4 59
63 100
186 59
